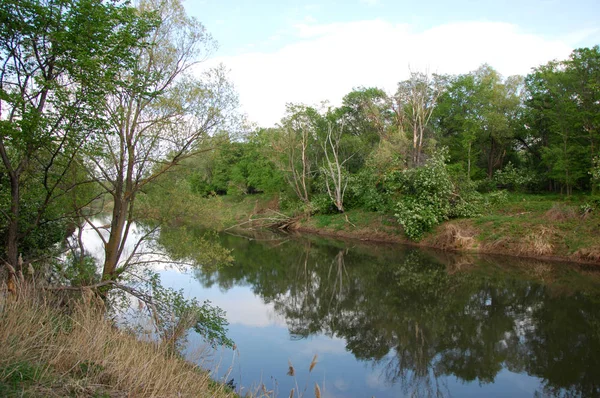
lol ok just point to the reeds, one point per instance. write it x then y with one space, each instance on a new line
292 372
84 354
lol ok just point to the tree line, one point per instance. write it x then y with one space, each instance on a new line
429 148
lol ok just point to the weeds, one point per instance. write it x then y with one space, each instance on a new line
561 212
44 352
539 241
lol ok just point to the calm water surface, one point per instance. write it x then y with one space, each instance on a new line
389 321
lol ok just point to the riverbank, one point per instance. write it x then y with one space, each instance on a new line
534 226
550 227
46 352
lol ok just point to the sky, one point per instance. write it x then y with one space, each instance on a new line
308 52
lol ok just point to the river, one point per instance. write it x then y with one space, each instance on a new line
390 320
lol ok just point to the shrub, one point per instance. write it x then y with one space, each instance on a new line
425 200
595 174
369 191
486 185
429 197
496 198
322 204
515 179
417 216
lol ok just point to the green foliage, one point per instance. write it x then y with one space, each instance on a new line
370 191
475 117
595 173
425 201
590 205
497 198
515 179
418 216
429 197
486 185
236 168
78 270
61 60
561 113
321 204
175 315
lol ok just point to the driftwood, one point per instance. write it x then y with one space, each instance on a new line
273 220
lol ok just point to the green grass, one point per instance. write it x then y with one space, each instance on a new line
522 215
504 227
18 377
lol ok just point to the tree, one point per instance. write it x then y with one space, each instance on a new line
58 58
475 117
336 177
560 118
584 67
417 98
162 114
293 148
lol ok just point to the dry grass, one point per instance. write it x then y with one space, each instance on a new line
538 242
589 254
561 212
454 237
83 354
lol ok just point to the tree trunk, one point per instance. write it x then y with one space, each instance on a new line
469 162
113 245
491 159
12 240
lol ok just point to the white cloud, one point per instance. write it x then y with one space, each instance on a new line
370 2
244 308
327 61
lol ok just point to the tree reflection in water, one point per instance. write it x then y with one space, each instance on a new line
423 315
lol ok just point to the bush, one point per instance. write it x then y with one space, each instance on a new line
486 185
425 201
417 216
322 204
369 191
430 197
515 179
496 198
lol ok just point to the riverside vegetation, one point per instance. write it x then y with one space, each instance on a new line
472 162
104 118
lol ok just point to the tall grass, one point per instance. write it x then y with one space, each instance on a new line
45 351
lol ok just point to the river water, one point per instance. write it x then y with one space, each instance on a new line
389 320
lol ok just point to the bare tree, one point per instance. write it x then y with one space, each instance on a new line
166 112
418 96
336 179
292 148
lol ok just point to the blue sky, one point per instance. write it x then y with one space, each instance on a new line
285 51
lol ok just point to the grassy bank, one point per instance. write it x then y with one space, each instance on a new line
542 226
47 353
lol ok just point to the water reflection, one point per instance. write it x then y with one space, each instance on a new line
424 317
